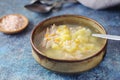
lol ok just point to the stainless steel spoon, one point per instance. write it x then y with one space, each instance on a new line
106 36
39 8
45 6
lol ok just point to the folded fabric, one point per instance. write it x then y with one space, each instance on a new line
99 4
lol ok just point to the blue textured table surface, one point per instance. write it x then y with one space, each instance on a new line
17 63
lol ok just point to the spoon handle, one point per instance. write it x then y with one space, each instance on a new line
112 37
72 1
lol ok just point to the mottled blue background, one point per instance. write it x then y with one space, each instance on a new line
17 63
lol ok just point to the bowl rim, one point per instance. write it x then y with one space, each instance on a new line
63 60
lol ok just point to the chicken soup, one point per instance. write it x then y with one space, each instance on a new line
70 43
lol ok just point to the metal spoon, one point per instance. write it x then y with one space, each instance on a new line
46 6
51 2
39 8
106 36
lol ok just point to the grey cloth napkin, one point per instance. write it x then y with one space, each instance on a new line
99 4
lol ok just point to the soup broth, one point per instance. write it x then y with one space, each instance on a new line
70 42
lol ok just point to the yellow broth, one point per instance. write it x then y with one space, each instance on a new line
71 43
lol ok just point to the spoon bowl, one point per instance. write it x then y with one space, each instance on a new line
39 8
